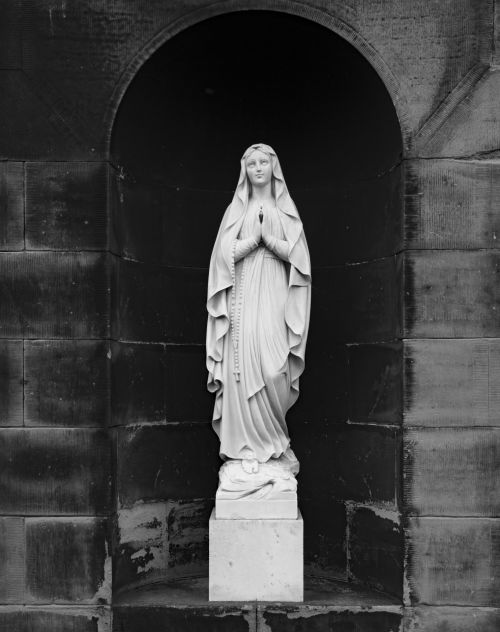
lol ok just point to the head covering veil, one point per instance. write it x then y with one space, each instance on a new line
220 277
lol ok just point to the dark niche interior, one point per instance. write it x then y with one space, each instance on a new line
182 126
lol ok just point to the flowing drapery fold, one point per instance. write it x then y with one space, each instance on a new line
275 297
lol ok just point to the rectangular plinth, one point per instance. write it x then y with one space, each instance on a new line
256 560
281 506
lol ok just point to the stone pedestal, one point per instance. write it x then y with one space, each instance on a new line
256 559
282 505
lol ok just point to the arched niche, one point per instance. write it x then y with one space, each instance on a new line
182 125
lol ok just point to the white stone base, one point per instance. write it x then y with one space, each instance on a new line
282 506
256 560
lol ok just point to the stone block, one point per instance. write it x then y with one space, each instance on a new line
454 561
452 294
452 471
53 295
324 537
467 123
185 375
67 561
137 383
35 131
282 506
180 205
452 382
324 618
328 301
185 618
161 540
373 295
256 560
456 618
59 619
66 205
10 36
363 213
376 548
159 304
172 461
137 209
54 471
375 382
353 462
66 383
323 385
11 205
11 382
452 204
12 559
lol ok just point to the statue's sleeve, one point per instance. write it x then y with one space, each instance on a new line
243 247
280 247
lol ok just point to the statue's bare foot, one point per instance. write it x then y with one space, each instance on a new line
249 463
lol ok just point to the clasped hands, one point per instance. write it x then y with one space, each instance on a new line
262 231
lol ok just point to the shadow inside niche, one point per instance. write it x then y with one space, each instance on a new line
181 128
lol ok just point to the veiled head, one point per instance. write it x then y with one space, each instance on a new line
261 165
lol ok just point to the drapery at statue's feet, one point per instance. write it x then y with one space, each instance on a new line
249 461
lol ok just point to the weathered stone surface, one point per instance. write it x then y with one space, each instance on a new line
66 205
60 619
452 294
373 295
153 222
454 561
447 618
426 52
67 560
467 123
256 559
324 537
323 385
12 554
375 382
452 382
53 295
161 540
356 303
54 471
376 548
347 462
363 214
34 130
452 204
10 35
159 304
183 618
185 386
137 383
172 461
11 382
453 471
11 205
66 383
307 618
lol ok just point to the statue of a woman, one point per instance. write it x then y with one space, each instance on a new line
258 305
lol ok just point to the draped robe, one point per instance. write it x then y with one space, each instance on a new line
261 302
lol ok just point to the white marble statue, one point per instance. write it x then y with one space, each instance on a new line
259 291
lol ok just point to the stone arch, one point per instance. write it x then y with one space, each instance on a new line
292 7
160 320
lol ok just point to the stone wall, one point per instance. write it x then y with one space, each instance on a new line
69 331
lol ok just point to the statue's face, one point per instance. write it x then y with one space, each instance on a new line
259 168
